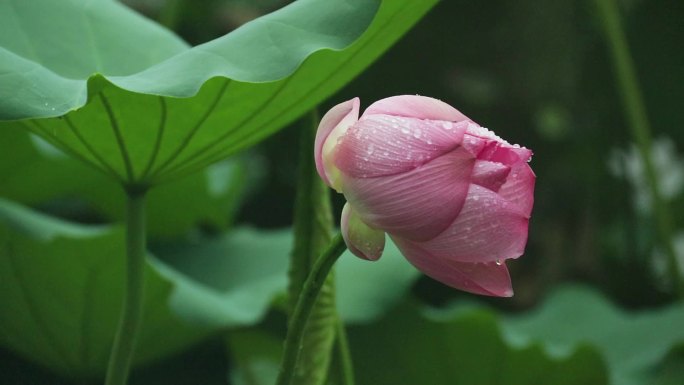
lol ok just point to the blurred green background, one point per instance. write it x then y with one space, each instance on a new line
593 303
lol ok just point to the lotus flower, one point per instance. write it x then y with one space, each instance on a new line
454 197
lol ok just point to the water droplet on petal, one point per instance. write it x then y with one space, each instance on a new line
498 262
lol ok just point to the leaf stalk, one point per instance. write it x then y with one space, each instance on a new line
131 315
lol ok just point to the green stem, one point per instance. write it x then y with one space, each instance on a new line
635 110
305 303
344 355
313 230
131 314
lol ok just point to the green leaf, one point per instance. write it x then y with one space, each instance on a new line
60 283
365 290
133 100
632 343
256 356
461 347
411 346
60 293
247 267
35 173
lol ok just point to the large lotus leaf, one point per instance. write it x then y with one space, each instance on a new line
61 292
365 290
61 287
409 347
34 173
462 347
121 93
634 344
575 337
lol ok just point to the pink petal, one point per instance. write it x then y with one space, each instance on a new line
334 123
494 148
380 145
415 106
503 153
478 278
418 204
487 229
362 240
491 175
519 187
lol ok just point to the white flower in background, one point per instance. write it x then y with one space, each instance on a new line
669 165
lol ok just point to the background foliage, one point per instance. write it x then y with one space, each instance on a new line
592 303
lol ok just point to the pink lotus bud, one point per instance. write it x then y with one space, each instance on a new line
454 197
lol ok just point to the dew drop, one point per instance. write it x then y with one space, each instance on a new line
498 262
404 130
417 133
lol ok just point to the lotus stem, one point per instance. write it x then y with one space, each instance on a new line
637 118
305 303
131 314
344 355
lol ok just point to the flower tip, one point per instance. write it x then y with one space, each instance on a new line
368 256
502 292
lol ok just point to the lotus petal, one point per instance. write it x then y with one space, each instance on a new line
418 204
